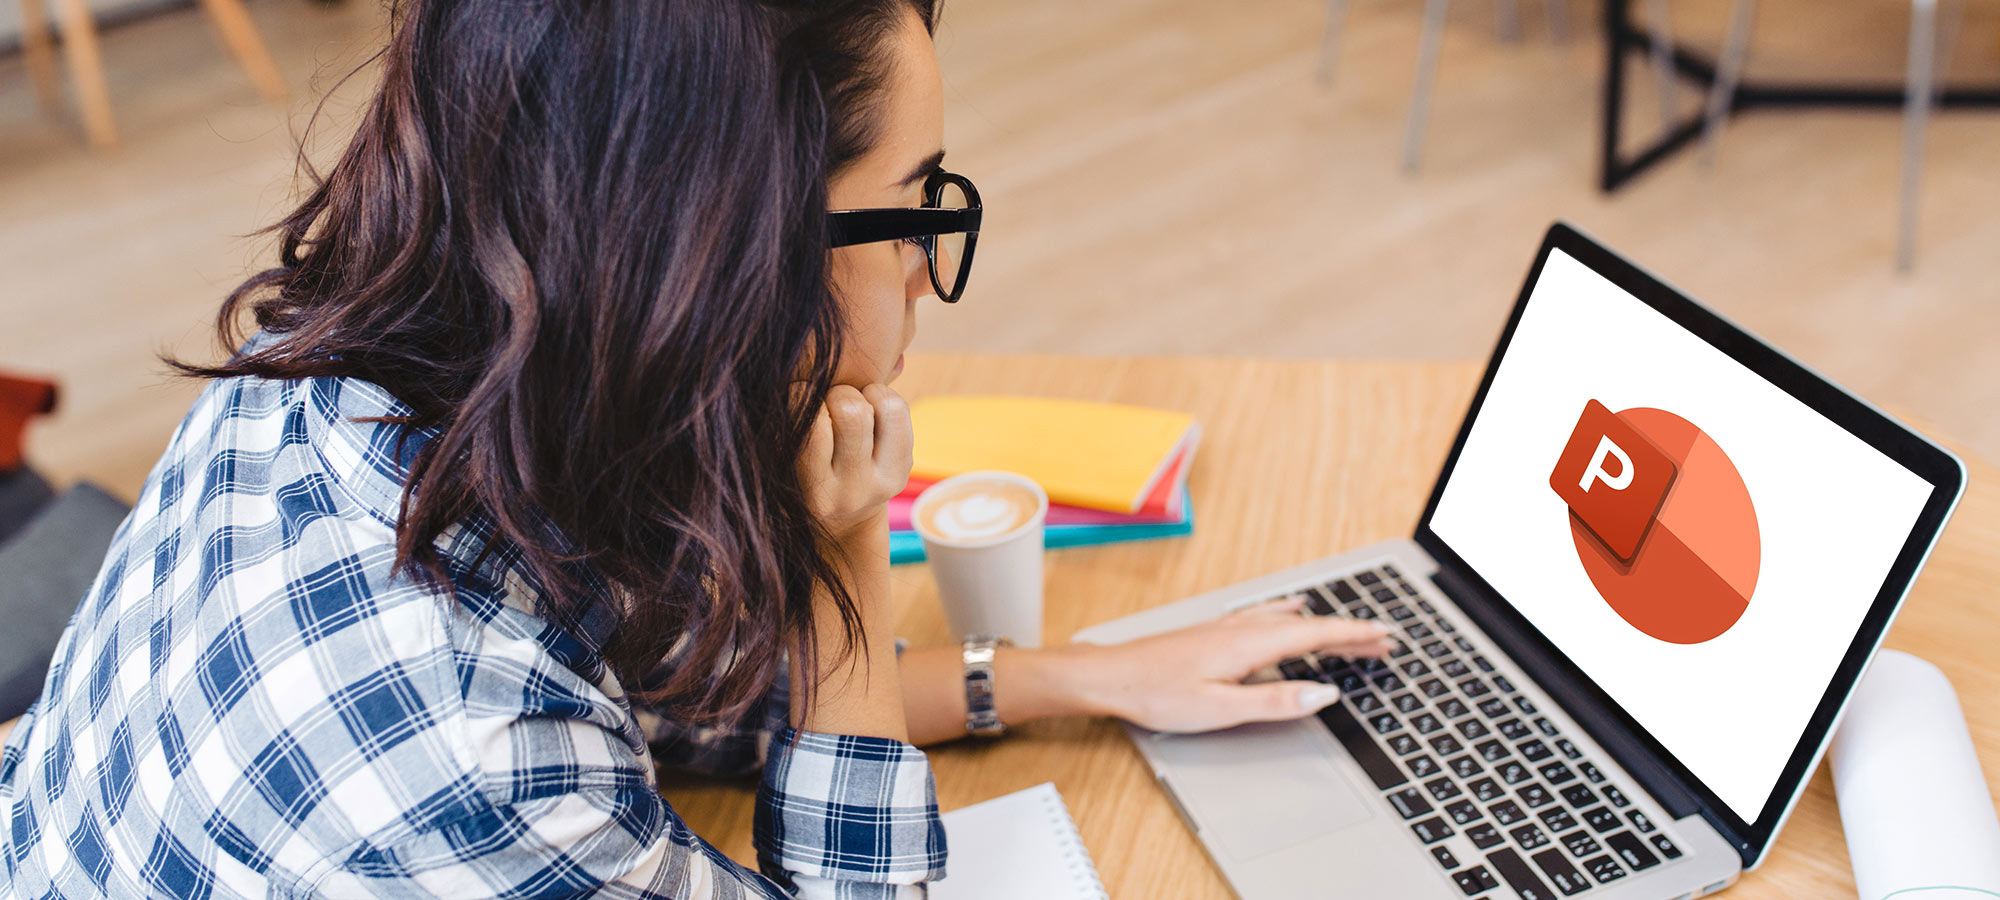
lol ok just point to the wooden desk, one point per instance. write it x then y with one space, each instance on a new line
1300 459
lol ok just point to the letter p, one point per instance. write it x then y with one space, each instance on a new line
1595 471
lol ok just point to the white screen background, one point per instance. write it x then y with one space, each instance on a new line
1832 513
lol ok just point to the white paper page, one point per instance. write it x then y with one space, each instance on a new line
1021 845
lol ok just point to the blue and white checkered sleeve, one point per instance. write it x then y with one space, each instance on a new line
844 816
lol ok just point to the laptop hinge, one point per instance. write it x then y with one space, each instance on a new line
1613 736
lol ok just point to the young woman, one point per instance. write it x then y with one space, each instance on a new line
562 449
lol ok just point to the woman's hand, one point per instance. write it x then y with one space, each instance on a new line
1191 679
857 457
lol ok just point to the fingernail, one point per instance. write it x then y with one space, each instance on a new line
1383 627
1318 695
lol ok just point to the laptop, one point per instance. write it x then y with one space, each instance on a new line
1659 557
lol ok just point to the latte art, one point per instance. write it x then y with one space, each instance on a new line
979 509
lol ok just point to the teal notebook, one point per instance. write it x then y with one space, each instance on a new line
907 547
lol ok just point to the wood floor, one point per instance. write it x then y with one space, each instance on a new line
1161 176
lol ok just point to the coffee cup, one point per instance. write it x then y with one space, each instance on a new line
982 533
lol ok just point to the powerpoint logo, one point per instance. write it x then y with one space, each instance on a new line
1662 522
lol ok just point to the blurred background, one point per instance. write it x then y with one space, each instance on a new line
1161 177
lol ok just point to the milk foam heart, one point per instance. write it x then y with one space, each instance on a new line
980 510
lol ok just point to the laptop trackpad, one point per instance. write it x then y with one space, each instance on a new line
1261 787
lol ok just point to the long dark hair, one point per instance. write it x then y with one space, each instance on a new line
586 240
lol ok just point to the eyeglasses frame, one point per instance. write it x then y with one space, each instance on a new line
926 223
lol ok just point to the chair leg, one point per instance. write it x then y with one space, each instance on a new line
41 56
1557 12
1663 61
1916 113
1507 19
1420 99
1329 42
241 36
1728 73
86 69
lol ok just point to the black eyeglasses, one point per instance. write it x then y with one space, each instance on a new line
946 226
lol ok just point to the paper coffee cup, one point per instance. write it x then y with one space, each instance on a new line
985 550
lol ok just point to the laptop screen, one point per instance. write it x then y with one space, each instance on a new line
1697 541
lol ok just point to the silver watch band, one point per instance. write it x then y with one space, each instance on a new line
980 719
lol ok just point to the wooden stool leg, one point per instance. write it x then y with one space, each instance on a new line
241 36
86 69
41 56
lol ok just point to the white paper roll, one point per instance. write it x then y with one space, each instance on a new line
1919 818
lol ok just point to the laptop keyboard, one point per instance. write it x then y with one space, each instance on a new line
1491 786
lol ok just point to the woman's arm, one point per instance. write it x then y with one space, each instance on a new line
859 688
1184 680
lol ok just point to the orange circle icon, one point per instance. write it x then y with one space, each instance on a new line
1692 576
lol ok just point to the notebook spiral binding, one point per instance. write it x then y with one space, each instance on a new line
1082 871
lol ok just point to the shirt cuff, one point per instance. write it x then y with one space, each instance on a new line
848 808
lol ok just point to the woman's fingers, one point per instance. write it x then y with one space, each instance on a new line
853 431
1229 705
894 439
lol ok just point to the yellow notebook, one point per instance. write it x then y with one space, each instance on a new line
1106 456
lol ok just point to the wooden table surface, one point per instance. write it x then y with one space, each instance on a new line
1300 459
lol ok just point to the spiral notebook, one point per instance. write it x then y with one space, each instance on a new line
1018 846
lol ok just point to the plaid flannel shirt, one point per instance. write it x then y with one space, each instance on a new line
249 703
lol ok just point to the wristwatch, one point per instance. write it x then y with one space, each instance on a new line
980 719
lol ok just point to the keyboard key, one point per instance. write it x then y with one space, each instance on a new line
1534 751
1403 744
1442 788
1474 686
1632 850
1462 811
1444 624
1453 668
1561 874
1501 682
1361 612
1351 683
1474 880
1343 591
1417 630
1409 803
1481 662
1383 723
1432 687
1493 708
1578 796
1529 836
1580 843
1483 835
1601 819
1436 648
1547 727
1525 705
1473 729
1398 649
1423 766
1485 790
1466 645
1446 745
1513 772
1390 571
1369 578
1568 749
1367 702
1296 670
1384 595
1639 822
1415 668
1558 819
1491 751
1514 870
1317 604
1513 729
1507 812
1616 796
1535 795
1452 707
1666 847
1556 772
1388 682
1401 613
1589 771
1604 869
1467 767
1353 736
1407 702
1432 830
1425 723
1444 857
1426 606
